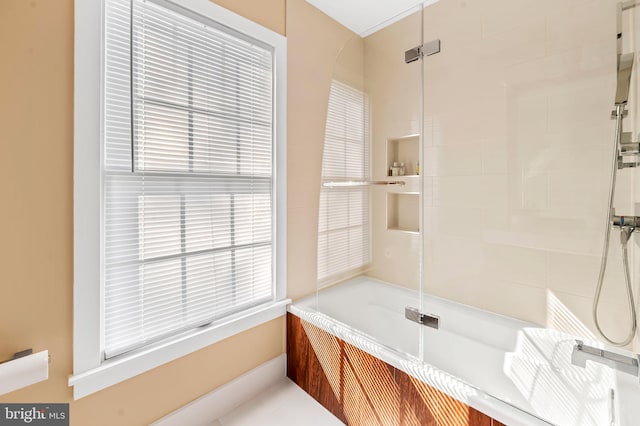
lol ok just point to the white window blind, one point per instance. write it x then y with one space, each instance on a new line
188 176
343 228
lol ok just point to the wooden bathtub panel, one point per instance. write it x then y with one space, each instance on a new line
417 402
451 412
372 384
361 389
304 368
297 352
432 407
321 390
476 418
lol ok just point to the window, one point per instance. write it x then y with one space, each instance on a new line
189 217
343 227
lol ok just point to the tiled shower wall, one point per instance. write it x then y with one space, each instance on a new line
518 141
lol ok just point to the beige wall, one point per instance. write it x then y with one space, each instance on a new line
36 183
349 63
314 44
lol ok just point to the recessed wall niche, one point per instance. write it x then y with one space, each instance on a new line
404 150
403 211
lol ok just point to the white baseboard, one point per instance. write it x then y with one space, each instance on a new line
206 409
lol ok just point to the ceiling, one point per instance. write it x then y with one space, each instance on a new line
365 17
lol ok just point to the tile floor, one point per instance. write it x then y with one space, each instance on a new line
284 404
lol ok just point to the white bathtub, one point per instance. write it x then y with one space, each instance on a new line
514 371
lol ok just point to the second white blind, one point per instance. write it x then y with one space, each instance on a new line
343 227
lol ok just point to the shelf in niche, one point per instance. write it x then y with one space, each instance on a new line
411 184
403 150
403 177
403 212
403 231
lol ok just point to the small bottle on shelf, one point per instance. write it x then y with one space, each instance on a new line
395 169
417 168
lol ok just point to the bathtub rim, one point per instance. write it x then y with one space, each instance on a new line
305 309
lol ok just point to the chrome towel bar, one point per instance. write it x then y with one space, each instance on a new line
350 183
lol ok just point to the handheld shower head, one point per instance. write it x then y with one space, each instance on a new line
625 66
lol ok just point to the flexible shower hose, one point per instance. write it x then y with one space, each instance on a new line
623 240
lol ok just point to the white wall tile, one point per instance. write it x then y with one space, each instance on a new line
579 193
587 24
581 102
454 160
550 156
623 197
515 300
427 194
535 191
454 221
573 314
516 264
529 112
573 273
494 156
570 313
523 17
478 191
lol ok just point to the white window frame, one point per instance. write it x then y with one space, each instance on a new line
91 372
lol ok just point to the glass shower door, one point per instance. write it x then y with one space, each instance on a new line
517 158
369 212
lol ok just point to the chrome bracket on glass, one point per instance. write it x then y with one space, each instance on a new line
413 314
352 183
628 148
429 48
582 353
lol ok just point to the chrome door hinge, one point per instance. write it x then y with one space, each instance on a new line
413 314
430 48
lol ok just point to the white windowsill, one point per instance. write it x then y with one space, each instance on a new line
126 366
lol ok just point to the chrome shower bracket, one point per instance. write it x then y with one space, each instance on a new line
625 164
614 114
413 314
429 48
628 148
